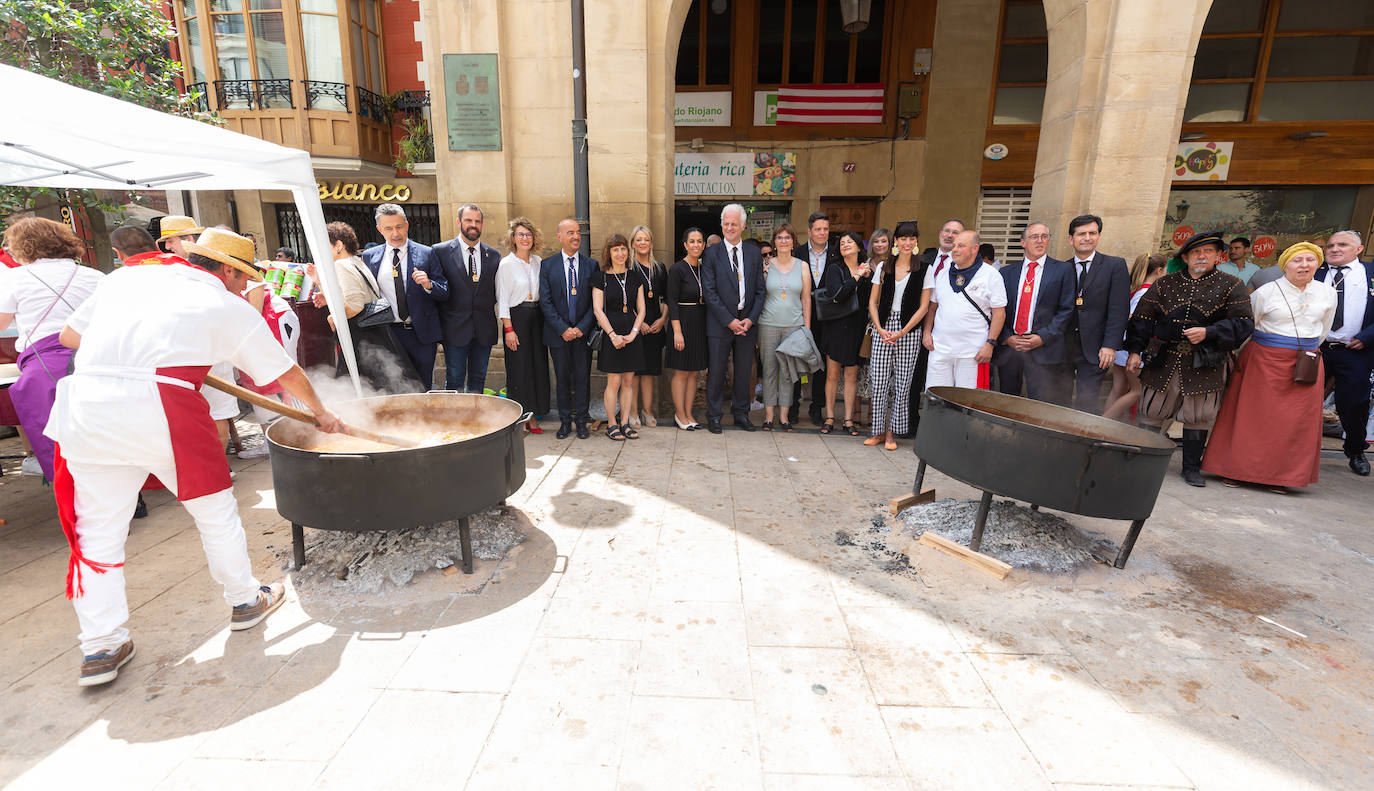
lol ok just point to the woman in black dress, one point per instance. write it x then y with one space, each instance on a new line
651 334
844 332
618 303
687 312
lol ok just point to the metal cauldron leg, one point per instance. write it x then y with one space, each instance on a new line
976 543
1129 544
1035 507
920 477
298 545
465 537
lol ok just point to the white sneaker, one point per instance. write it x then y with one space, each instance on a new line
258 451
30 466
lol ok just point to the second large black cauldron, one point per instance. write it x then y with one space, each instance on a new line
1042 454
399 488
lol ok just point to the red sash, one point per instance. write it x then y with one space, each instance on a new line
201 467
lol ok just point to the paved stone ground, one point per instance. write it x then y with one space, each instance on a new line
681 616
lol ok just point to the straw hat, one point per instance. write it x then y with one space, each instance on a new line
227 248
178 225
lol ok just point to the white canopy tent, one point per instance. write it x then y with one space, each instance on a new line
57 135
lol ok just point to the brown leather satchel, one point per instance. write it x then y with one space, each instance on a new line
1309 360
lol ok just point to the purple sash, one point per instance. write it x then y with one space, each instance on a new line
40 366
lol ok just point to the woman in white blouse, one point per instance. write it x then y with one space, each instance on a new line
522 323
1269 429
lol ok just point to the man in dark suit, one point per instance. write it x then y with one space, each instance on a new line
414 284
1040 295
820 253
732 277
1348 349
565 298
1102 301
469 315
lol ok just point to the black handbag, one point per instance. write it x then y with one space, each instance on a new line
594 340
828 310
375 313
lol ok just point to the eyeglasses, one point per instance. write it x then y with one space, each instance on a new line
523 235
1038 237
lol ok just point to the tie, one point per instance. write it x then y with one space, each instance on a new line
572 288
734 264
1023 304
1339 282
401 309
472 263
1082 272
939 267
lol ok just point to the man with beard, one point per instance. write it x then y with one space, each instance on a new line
468 317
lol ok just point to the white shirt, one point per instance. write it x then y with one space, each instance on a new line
817 260
1015 299
1087 265
941 256
736 249
138 320
959 330
898 288
386 283
1313 309
22 293
1356 295
516 282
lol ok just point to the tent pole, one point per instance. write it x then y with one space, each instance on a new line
312 222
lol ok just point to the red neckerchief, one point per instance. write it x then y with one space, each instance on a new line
154 257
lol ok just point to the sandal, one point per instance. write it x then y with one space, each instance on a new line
828 426
614 432
785 426
850 427
891 445
629 432
767 425
876 439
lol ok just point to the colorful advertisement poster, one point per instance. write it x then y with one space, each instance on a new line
772 173
1202 161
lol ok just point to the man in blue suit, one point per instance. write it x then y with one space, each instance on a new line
1040 295
1102 304
469 313
732 279
1348 349
565 298
414 284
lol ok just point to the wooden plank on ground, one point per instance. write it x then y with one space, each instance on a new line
898 504
978 560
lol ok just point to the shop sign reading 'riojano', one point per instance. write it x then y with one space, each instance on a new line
375 193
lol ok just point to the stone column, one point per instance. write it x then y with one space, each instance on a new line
960 95
1118 80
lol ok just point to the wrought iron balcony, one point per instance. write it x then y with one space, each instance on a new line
371 105
412 102
320 95
201 93
253 94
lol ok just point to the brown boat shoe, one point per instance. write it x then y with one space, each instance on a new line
246 616
102 668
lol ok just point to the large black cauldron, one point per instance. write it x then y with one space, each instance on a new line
1042 454
400 488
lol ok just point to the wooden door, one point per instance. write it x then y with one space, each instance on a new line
851 214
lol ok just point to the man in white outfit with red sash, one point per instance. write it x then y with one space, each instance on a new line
145 340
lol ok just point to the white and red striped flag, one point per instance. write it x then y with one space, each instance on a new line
861 103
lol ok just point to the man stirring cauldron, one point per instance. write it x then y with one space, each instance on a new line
1180 339
145 340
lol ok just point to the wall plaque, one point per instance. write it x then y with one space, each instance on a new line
472 99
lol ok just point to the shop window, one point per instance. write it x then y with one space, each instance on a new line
704 55
1022 65
1323 56
772 29
1226 58
1326 15
801 41
1216 103
1339 100
1234 16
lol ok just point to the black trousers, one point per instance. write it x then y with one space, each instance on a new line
572 368
918 386
1350 369
1042 382
721 348
527 366
1083 379
421 354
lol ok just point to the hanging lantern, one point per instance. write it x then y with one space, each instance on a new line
854 14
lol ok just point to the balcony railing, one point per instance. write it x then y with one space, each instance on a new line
320 95
412 102
372 105
201 92
253 94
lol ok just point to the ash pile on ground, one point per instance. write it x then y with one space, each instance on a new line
359 563
872 541
1014 534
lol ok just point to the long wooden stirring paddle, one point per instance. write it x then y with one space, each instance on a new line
273 405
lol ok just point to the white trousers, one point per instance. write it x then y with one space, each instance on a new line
106 496
945 371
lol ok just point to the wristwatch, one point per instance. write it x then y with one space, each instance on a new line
993 341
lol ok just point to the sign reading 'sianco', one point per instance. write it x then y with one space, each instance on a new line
373 193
